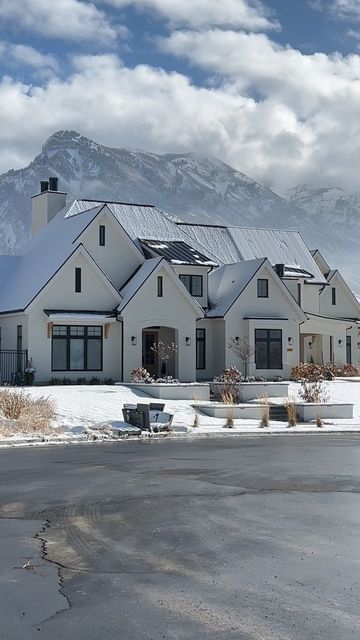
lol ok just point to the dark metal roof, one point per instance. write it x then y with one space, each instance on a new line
177 252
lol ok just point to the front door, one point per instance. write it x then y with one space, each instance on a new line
150 359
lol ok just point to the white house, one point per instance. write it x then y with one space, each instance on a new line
99 282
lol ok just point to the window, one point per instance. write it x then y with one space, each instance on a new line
76 348
77 280
200 348
102 235
333 295
299 293
194 284
262 288
268 348
160 287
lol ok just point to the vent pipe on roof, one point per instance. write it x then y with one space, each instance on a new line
44 186
280 270
53 184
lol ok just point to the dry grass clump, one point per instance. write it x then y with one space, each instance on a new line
30 414
265 418
229 423
196 420
319 421
291 410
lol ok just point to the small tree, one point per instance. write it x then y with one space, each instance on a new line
241 348
164 353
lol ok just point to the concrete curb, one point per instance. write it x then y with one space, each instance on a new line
172 436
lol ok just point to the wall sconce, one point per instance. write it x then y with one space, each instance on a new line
290 341
358 345
237 338
310 344
133 340
188 341
340 342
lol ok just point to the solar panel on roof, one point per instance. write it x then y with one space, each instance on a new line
177 252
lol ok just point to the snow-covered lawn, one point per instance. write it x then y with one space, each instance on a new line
79 407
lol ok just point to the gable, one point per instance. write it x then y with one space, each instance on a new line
97 292
141 292
346 301
119 256
279 303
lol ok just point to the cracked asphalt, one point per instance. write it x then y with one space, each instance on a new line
236 538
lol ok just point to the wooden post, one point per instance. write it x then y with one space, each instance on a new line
49 329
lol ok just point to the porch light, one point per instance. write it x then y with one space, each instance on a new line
290 341
341 342
133 340
188 341
358 345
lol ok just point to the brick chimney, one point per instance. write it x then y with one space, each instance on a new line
46 204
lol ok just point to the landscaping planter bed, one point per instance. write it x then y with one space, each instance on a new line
254 390
181 391
237 411
337 410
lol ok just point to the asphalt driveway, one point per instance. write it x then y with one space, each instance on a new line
243 538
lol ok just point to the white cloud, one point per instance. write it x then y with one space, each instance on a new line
247 14
302 126
66 19
349 9
27 56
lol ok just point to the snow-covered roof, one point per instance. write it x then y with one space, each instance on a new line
227 283
42 256
137 280
234 244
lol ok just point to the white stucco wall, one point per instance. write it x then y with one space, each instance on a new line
345 307
8 326
310 300
118 258
172 310
60 294
282 314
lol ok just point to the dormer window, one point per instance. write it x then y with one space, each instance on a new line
333 296
102 235
160 287
194 284
262 288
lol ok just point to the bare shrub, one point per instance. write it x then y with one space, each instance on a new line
291 410
312 391
12 403
265 417
242 349
229 395
164 352
31 414
38 415
229 424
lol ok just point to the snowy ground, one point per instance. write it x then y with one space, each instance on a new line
79 407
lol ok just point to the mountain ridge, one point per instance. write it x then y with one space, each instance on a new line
190 186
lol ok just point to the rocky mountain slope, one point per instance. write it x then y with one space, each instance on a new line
193 187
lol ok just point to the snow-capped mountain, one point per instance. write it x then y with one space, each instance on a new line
193 187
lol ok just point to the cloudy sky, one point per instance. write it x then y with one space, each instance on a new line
271 87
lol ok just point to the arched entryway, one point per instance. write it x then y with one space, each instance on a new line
162 361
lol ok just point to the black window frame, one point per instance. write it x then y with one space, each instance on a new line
299 294
160 287
333 296
77 279
259 284
102 235
68 337
268 340
191 287
201 365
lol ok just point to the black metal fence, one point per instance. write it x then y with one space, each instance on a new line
12 366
